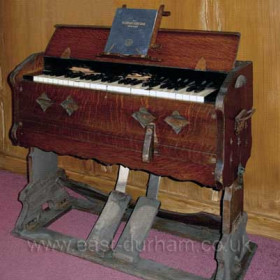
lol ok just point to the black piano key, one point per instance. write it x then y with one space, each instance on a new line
87 77
209 84
92 76
178 87
59 74
121 81
114 79
73 75
180 80
28 77
96 77
171 86
191 88
199 88
127 81
203 86
78 74
146 83
191 83
105 78
131 81
137 82
165 85
211 97
162 79
67 74
155 83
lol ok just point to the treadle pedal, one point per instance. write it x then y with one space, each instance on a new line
136 230
108 222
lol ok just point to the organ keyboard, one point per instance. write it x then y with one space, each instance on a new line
182 86
183 111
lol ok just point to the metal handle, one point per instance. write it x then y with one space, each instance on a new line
240 81
145 118
13 133
241 118
148 147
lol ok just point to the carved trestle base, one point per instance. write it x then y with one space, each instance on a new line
45 199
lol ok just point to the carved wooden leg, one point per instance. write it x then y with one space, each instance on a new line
41 164
43 199
234 250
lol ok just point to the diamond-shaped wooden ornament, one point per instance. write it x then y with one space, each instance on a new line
69 105
44 101
176 121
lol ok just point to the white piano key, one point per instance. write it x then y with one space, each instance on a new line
53 80
101 86
47 80
37 78
185 97
60 82
97 85
56 81
202 94
200 99
92 86
192 95
76 82
121 88
87 85
79 84
65 82
140 91
179 94
165 94
153 91
40 78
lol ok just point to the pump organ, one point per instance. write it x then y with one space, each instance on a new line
183 111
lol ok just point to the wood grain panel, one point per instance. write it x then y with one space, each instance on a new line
119 119
26 27
89 43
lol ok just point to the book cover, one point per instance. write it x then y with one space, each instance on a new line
131 32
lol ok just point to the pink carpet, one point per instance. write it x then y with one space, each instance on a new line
23 260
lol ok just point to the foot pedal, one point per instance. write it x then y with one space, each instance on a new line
132 239
108 222
139 224
110 218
